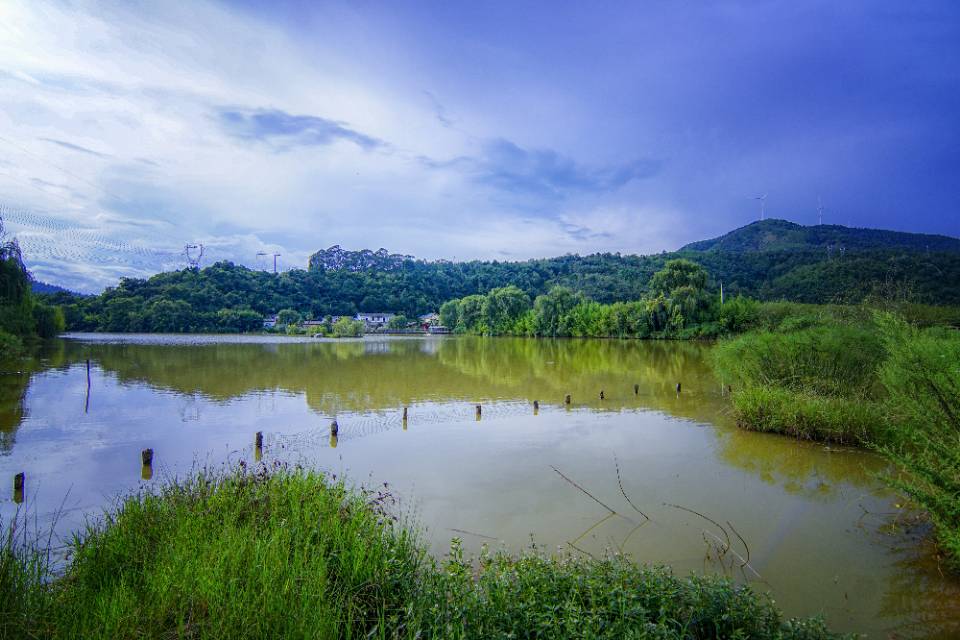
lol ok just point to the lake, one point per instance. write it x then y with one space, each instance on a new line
661 476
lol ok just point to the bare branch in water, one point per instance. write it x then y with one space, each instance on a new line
743 542
594 526
582 550
471 533
739 557
617 465
585 492
710 520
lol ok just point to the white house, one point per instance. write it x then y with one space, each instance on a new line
269 322
372 319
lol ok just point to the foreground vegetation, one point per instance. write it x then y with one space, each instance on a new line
864 378
292 554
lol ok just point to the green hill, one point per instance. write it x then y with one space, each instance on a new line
782 235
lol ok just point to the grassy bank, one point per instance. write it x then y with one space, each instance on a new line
876 381
291 554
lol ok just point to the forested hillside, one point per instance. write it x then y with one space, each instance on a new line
782 235
228 297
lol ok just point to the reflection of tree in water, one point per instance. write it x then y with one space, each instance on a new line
13 390
374 375
15 379
919 591
810 469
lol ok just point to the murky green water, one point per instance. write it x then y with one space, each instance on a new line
815 521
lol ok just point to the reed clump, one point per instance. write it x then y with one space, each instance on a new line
296 554
886 383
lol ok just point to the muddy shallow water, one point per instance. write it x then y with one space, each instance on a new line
821 532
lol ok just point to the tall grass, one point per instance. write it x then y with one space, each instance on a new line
293 554
816 383
921 376
886 384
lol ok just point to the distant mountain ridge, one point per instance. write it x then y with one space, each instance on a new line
36 286
782 235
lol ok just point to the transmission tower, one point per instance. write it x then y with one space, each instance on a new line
193 259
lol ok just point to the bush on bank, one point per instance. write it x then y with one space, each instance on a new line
885 384
292 554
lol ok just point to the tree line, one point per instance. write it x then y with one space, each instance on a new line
226 297
681 303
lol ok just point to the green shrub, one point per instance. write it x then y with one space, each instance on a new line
922 378
49 320
11 347
347 328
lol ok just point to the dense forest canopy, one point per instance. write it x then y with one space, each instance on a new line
229 297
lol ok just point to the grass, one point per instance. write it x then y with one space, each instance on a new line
816 383
295 554
885 384
810 416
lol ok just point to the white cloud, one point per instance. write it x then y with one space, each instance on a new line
111 118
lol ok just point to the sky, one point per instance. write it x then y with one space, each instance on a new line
462 130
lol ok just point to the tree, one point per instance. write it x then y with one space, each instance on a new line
678 273
502 308
470 313
288 317
397 322
347 328
449 313
549 311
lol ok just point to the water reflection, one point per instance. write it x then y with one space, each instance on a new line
471 428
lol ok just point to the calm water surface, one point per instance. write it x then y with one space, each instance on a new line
823 535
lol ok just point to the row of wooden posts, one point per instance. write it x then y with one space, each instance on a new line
146 456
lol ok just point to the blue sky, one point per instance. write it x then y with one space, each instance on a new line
463 130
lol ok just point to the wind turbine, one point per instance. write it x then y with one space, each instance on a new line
819 210
763 205
261 254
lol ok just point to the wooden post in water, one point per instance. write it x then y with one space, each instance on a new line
479 411
18 481
601 394
334 428
636 389
678 388
258 446
86 405
566 400
404 413
536 407
146 464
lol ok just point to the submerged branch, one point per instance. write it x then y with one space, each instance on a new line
584 491
711 520
620 482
